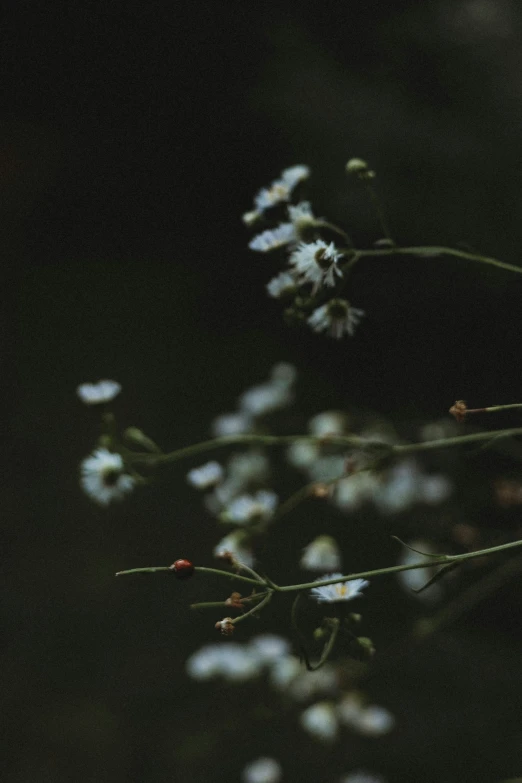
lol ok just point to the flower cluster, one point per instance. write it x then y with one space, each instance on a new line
314 264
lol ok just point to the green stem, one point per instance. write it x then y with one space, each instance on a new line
442 560
218 571
343 441
437 250
379 208
256 608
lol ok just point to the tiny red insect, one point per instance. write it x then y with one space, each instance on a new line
183 569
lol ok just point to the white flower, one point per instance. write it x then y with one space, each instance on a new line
232 545
281 285
283 671
295 174
321 682
321 554
320 721
328 423
273 238
351 492
269 648
251 508
374 721
208 475
342 591
231 424
316 263
360 776
103 478
280 189
301 216
233 662
262 770
283 373
336 317
434 489
302 453
265 398
96 393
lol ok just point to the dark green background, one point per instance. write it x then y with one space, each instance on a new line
133 136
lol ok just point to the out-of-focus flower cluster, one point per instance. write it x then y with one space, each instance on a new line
314 274
329 707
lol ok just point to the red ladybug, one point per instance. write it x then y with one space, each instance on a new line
183 569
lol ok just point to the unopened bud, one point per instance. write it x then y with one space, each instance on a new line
235 601
458 410
362 648
226 626
359 168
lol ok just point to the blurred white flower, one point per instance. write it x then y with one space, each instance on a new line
434 489
308 685
321 554
281 285
269 648
233 662
351 492
280 189
342 591
360 776
206 475
283 671
301 216
316 262
249 508
265 398
103 478
336 317
374 721
328 423
302 453
97 393
262 770
283 373
273 238
232 545
231 424
320 721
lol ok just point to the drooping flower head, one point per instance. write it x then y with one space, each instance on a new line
337 317
98 393
317 263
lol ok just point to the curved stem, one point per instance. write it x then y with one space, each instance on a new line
427 250
256 608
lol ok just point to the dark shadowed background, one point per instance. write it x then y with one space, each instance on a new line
132 138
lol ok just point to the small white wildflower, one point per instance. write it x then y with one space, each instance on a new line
269 648
284 671
251 508
248 466
265 398
434 489
320 721
349 709
321 554
97 393
351 492
283 373
342 591
328 423
208 475
316 263
361 776
301 216
233 662
281 285
231 424
232 545
295 174
327 468
280 189
205 663
273 238
374 721
302 453
336 317
417 577
103 478
321 682
262 770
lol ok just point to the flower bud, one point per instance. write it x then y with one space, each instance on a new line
357 167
